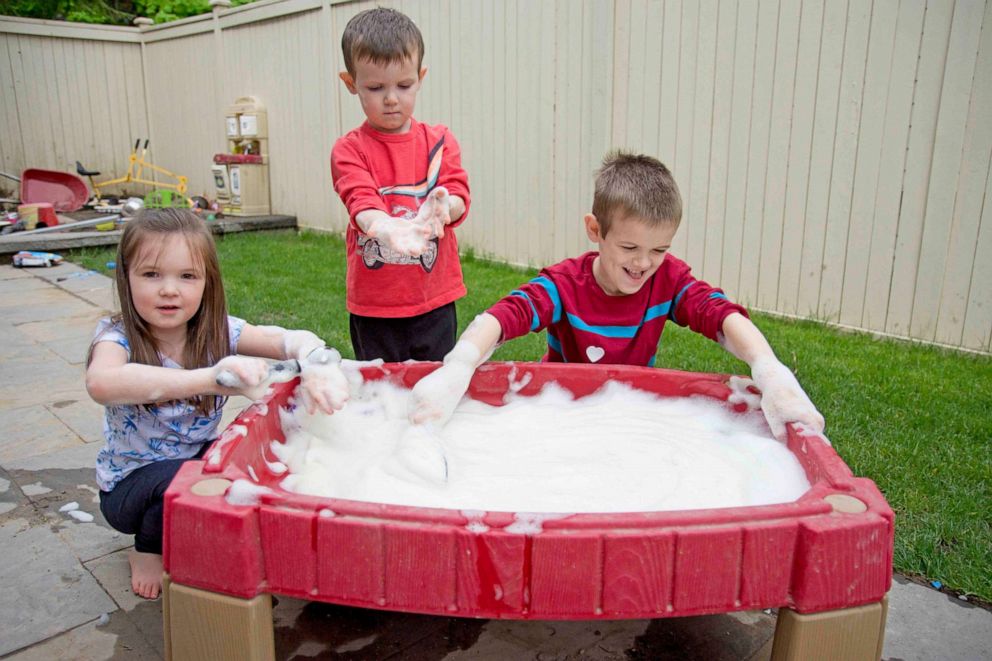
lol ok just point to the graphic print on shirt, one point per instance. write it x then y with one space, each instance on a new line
375 254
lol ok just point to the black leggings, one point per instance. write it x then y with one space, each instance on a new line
135 505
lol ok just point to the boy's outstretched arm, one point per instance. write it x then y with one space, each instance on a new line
435 396
782 398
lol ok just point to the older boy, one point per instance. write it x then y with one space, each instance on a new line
405 190
611 306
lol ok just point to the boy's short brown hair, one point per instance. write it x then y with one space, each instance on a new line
381 36
635 185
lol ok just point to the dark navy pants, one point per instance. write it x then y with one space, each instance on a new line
427 336
135 505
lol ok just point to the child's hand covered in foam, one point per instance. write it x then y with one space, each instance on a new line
323 385
243 376
435 212
407 237
435 396
782 398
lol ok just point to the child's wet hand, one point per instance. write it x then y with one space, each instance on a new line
435 212
435 396
243 375
406 237
782 398
323 384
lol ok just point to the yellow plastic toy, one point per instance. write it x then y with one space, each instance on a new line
135 169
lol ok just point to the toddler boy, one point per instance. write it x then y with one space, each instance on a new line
611 306
405 190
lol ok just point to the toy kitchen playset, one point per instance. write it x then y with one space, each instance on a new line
241 176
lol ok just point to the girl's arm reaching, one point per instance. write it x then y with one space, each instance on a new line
112 380
435 396
782 398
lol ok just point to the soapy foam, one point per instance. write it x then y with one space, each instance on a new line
243 492
618 450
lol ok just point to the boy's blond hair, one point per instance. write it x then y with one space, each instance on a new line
381 36
635 185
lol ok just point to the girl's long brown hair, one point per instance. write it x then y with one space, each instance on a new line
207 335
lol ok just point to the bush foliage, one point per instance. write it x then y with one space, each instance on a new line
110 12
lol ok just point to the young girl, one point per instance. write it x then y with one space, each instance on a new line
154 366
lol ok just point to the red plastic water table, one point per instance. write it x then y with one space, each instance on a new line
825 559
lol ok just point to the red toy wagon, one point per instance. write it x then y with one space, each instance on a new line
825 560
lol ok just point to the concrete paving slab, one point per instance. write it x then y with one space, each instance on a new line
59 272
27 381
101 297
552 640
51 273
72 351
8 272
17 345
85 282
46 590
83 416
117 639
14 290
13 501
308 630
35 371
305 629
81 456
28 301
925 624
68 337
74 278
113 574
88 540
65 327
32 430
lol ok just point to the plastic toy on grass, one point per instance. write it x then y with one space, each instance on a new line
33 258
166 199
136 165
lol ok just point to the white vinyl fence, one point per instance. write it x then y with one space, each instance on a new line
833 156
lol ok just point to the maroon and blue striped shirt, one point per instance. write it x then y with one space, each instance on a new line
585 325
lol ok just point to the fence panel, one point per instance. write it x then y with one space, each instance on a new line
67 94
834 157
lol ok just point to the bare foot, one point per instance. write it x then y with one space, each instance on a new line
146 574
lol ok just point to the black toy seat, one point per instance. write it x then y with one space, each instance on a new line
83 171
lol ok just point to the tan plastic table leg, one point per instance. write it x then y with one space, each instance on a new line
851 634
198 624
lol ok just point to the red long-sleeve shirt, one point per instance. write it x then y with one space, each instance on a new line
586 325
394 173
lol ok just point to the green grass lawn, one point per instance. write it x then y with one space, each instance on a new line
917 420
